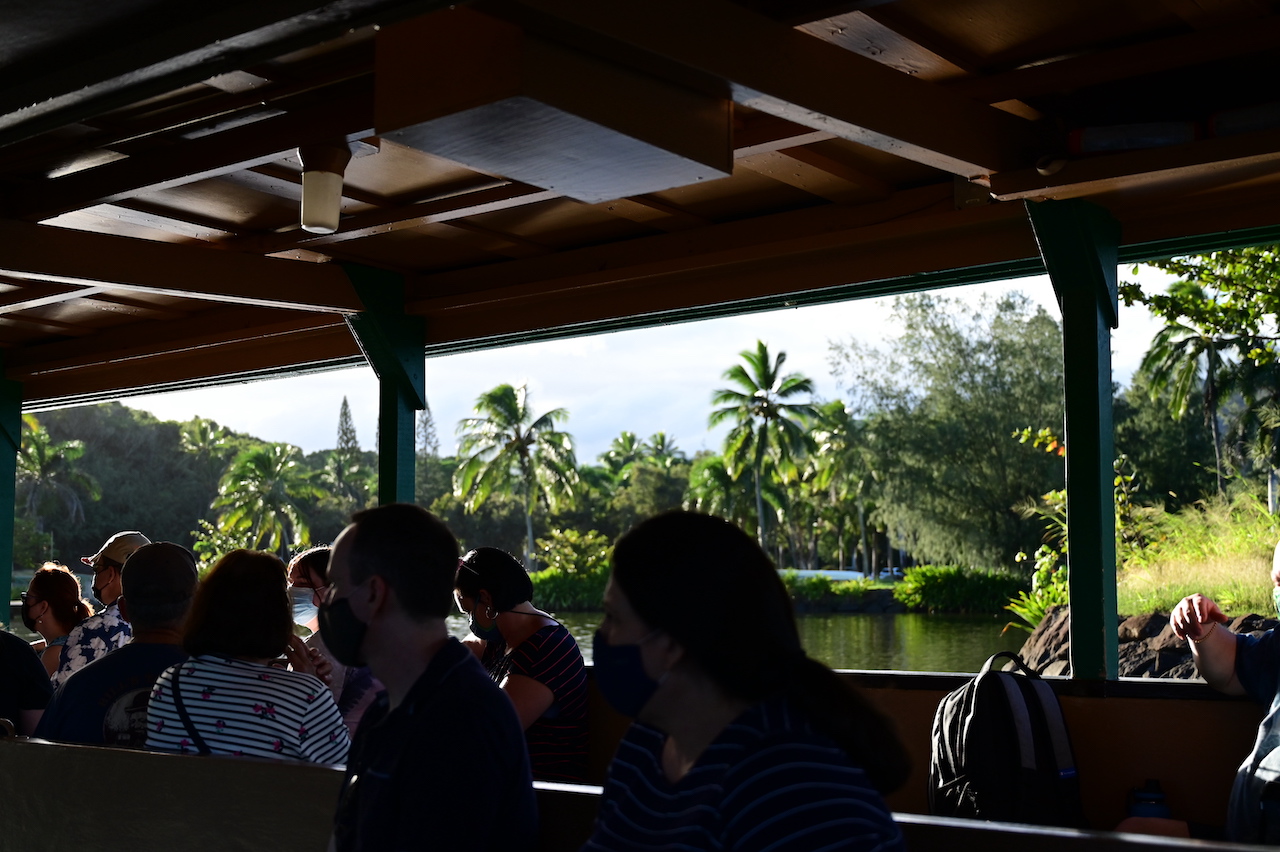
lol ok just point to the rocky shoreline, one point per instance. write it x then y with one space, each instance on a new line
1148 647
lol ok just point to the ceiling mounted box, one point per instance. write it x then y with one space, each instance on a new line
462 85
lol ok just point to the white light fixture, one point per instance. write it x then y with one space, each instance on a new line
322 169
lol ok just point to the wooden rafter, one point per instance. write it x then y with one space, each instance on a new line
794 76
44 253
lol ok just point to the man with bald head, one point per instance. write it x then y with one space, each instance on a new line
105 703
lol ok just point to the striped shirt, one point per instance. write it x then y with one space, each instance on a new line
247 709
767 784
558 739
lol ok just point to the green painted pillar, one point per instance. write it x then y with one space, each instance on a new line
393 343
1079 243
10 442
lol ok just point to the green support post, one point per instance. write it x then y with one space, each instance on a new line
10 443
1079 243
393 343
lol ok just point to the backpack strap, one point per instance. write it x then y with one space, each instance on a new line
201 745
1057 728
1021 720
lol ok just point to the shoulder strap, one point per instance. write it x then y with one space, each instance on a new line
201 745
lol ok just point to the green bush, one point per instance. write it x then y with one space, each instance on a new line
821 590
578 568
950 588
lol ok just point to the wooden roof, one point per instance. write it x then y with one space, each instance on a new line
540 167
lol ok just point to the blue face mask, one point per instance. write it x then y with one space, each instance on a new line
486 634
620 676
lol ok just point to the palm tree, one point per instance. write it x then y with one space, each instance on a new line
662 450
258 497
625 451
766 423
47 471
508 450
1183 357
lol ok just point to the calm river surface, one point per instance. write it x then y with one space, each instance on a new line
905 642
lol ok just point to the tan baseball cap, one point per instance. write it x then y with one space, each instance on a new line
118 548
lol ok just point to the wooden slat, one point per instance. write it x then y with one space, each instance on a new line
56 254
1132 169
792 75
1092 69
349 117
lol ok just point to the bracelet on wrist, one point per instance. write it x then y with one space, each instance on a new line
1212 626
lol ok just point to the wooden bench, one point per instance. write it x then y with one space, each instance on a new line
62 797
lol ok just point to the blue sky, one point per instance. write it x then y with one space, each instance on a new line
650 380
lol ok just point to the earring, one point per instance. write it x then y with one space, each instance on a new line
488 611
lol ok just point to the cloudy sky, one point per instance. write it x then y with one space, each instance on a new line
657 379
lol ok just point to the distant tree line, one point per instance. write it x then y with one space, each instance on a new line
917 463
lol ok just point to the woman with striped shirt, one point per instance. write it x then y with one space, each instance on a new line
532 657
229 698
741 742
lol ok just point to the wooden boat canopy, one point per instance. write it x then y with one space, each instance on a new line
531 168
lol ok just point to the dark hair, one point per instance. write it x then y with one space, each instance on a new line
315 561
711 588
241 608
54 583
498 573
412 550
158 584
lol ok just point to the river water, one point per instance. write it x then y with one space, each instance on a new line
901 642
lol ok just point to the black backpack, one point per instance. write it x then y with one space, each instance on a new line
1001 751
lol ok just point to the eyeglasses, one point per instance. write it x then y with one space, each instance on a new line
104 565
27 598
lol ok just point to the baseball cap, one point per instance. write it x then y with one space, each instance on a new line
118 548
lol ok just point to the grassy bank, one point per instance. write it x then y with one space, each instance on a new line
1219 548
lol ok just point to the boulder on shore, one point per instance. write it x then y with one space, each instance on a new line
1148 646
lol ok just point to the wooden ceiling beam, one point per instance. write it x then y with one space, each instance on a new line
792 75
349 117
220 326
801 230
256 357
45 253
35 294
384 220
1094 69
1133 169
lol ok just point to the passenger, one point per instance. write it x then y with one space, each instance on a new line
105 703
102 633
228 699
1241 664
24 684
354 687
52 607
532 657
741 741
439 761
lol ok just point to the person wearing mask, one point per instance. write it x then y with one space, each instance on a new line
229 697
439 760
354 687
105 703
532 657
741 741
102 633
52 607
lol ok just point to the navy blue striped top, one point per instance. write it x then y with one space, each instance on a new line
558 739
768 782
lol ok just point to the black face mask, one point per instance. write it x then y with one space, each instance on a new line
26 616
342 632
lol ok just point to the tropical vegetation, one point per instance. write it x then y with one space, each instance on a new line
917 465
